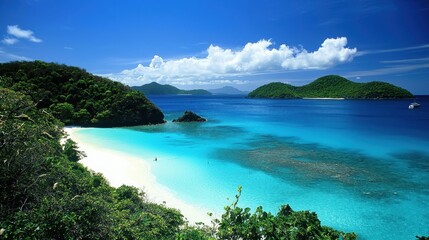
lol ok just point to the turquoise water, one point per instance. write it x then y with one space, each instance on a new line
362 166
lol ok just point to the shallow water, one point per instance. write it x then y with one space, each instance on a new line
362 166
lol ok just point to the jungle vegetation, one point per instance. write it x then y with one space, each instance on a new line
332 86
77 97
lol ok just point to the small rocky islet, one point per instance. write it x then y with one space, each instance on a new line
189 116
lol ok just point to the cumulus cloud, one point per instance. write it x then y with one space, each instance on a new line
17 32
253 58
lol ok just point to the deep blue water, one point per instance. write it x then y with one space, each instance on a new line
362 165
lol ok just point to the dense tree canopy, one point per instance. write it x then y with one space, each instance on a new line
77 97
332 86
238 223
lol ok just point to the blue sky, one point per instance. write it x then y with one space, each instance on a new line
208 44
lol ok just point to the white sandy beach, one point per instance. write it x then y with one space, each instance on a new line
119 168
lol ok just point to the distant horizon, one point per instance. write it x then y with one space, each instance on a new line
235 87
208 45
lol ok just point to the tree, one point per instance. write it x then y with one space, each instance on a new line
239 223
77 97
82 117
71 150
63 111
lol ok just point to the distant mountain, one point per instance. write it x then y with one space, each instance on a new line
332 86
227 90
154 88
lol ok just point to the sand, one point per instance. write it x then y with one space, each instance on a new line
119 169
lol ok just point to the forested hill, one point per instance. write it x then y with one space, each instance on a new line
332 86
77 97
154 88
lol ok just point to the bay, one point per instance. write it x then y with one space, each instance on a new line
361 165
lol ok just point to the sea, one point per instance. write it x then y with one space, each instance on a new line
361 165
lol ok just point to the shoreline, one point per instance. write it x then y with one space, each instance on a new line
316 98
120 168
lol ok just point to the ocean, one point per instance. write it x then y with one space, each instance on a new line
361 165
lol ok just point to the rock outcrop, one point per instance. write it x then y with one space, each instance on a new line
189 116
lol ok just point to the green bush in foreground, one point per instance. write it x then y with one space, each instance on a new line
239 223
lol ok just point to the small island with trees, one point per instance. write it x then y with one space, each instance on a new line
332 86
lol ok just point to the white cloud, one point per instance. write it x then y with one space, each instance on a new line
253 58
17 32
9 40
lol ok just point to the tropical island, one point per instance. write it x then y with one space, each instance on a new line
155 88
48 194
332 86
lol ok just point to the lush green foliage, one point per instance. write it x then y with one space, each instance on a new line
71 151
46 194
77 97
239 223
275 90
154 88
332 86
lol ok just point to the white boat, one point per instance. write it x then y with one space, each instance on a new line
414 105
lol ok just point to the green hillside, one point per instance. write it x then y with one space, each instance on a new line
332 86
154 88
77 97
275 90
